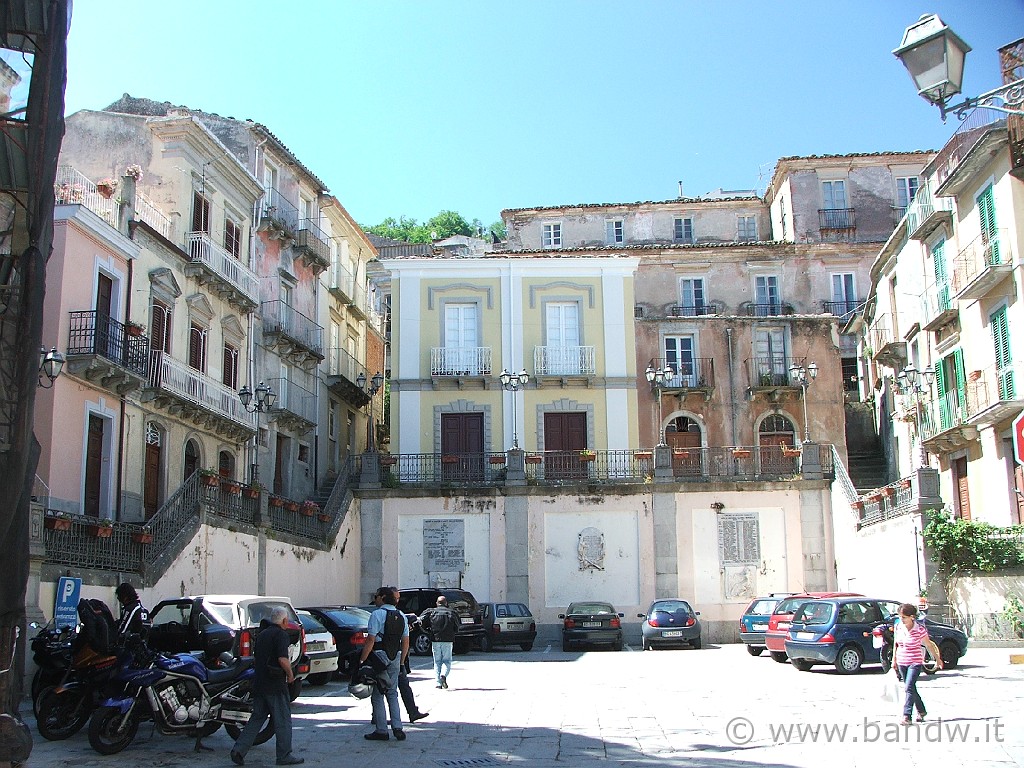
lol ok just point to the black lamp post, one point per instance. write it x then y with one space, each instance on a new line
804 377
50 365
914 382
265 397
376 382
658 378
513 383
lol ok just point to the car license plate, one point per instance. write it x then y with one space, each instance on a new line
467 619
673 633
760 627
590 624
315 646
804 635
515 625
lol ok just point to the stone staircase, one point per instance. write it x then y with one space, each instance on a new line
323 493
868 469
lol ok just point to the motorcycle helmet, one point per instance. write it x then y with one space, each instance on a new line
362 683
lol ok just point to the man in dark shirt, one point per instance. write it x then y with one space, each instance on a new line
443 624
134 616
270 691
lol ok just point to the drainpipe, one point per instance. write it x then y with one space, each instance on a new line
732 388
123 406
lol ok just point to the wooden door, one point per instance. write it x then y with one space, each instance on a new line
151 484
565 435
105 343
93 466
462 446
773 462
961 493
685 440
279 458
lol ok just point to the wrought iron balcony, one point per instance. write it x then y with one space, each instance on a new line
995 394
836 218
460 361
695 373
107 352
292 334
340 283
885 347
295 407
964 153
278 216
769 309
564 361
982 264
937 305
772 371
841 309
925 215
192 394
944 424
210 263
343 372
694 310
312 245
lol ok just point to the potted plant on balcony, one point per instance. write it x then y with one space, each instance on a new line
291 505
252 490
106 187
134 171
309 508
741 453
534 458
904 484
874 496
889 491
276 501
790 451
209 477
387 460
587 455
57 521
449 458
324 516
134 329
230 486
496 458
143 536
102 529
642 455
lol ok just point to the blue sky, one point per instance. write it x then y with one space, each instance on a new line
416 107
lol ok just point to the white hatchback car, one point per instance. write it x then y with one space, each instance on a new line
321 648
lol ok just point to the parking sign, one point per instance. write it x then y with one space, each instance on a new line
65 608
1018 438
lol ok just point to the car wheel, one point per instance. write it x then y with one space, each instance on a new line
803 665
849 660
695 644
780 656
526 646
486 644
421 644
754 650
295 689
950 654
320 678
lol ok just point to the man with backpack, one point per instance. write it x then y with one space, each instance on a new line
442 623
385 650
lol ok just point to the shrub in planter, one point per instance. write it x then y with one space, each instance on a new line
309 508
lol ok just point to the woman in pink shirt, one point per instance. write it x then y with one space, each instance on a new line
911 636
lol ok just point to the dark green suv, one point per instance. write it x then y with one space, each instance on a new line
416 600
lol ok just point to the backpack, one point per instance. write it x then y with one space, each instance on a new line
394 629
98 626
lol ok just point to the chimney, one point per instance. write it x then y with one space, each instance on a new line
680 189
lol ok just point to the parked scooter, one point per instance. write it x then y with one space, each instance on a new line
180 695
883 637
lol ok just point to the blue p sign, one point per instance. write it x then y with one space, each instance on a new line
65 609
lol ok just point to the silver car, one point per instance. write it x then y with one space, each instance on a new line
670 623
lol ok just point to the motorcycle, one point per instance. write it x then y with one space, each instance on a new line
51 652
181 695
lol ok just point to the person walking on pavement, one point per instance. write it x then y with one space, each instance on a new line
442 623
385 649
911 637
134 617
270 691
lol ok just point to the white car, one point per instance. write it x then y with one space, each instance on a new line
321 648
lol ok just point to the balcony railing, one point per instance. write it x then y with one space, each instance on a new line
564 361
341 281
772 370
836 218
995 393
925 213
937 305
692 310
73 188
769 309
983 262
294 399
281 318
944 413
279 211
460 361
841 308
341 363
146 210
885 346
694 373
967 135
202 249
93 333
176 378
311 240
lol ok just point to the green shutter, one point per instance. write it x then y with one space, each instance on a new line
987 212
960 403
940 389
1004 360
941 281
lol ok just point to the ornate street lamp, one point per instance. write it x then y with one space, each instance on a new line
376 382
658 378
50 365
934 56
910 381
804 377
265 398
513 383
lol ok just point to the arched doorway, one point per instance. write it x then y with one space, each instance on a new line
192 460
152 495
684 435
775 432
226 465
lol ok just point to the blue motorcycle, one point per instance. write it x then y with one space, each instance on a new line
179 694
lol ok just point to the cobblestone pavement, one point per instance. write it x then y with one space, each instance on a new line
713 707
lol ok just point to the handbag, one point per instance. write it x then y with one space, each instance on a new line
892 689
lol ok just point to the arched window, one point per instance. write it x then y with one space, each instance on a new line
226 464
774 427
192 459
682 424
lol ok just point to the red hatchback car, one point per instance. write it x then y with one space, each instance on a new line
778 623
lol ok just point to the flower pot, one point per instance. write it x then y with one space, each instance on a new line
276 501
229 486
889 491
857 505
534 459
642 455
57 524
133 330
874 497
449 459
791 453
307 511
101 531
496 459
292 506
587 457
251 493
105 191
324 517
681 454
142 538
741 453
974 375
388 461
904 485
211 481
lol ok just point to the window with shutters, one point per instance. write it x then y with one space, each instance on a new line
160 327
197 347
833 194
906 191
551 235
767 301
683 230
230 378
989 232
679 356
691 295
1004 359
746 228
613 231
233 238
950 385
200 213
938 254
